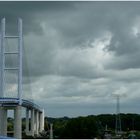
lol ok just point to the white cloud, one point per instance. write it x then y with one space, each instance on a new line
120 92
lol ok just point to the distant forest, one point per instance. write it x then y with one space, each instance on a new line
91 126
88 127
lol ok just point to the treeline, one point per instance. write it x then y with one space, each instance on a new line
91 126
86 127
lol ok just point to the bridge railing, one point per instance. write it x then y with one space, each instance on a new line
15 101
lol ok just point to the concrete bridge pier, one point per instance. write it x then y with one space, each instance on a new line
41 120
32 122
3 121
17 122
27 122
37 122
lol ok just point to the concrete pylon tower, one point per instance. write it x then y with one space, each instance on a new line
118 118
4 53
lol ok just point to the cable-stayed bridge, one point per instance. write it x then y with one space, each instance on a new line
33 112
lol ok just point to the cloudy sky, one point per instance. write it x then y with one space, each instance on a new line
77 55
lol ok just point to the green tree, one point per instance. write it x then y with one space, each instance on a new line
80 128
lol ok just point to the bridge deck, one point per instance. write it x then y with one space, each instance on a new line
10 102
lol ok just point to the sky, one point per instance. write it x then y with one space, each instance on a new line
77 55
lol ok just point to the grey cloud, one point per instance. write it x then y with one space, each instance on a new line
57 37
125 62
30 12
82 21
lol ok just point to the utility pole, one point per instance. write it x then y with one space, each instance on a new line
118 118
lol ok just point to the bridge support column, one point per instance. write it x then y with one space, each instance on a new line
32 122
17 122
41 120
27 121
36 122
3 121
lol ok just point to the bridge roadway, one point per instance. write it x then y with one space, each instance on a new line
36 116
11 102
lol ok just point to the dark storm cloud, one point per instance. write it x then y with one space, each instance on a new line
90 19
76 23
126 61
30 13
